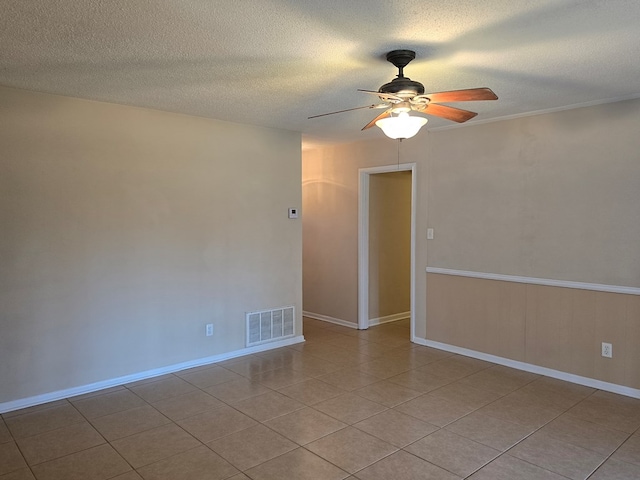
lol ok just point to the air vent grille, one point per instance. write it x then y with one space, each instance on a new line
270 325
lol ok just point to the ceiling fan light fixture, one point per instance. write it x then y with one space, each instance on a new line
403 126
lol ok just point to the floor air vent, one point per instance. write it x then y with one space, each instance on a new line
270 325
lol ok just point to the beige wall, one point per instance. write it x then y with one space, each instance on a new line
389 244
554 327
126 230
551 196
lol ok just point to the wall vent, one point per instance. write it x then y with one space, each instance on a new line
270 325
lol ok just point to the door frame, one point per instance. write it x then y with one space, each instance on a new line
364 175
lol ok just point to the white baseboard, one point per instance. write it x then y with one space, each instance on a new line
528 367
325 318
93 387
374 321
389 318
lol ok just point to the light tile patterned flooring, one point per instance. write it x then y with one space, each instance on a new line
346 404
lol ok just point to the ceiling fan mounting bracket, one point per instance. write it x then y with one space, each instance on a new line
401 58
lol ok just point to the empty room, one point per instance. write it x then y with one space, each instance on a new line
319 240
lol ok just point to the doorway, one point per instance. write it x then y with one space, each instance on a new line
364 241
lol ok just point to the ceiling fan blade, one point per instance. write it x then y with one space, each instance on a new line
386 96
450 113
384 114
380 105
469 95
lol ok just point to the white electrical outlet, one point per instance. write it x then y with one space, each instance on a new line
209 329
607 350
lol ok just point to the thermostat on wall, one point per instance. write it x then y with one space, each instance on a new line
293 213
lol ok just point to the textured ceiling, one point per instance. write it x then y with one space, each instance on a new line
276 62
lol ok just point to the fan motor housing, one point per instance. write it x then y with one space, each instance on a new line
402 85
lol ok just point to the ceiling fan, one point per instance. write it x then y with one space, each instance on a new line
402 95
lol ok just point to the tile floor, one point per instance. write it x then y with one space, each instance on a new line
365 405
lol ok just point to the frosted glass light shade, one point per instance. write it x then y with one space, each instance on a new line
402 126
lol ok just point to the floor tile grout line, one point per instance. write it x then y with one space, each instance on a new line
431 463
379 460
528 462
506 452
596 423
107 442
298 445
609 456
69 403
14 413
314 440
555 418
285 453
15 442
470 413
171 421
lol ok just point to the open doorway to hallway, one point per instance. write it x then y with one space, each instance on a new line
386 280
